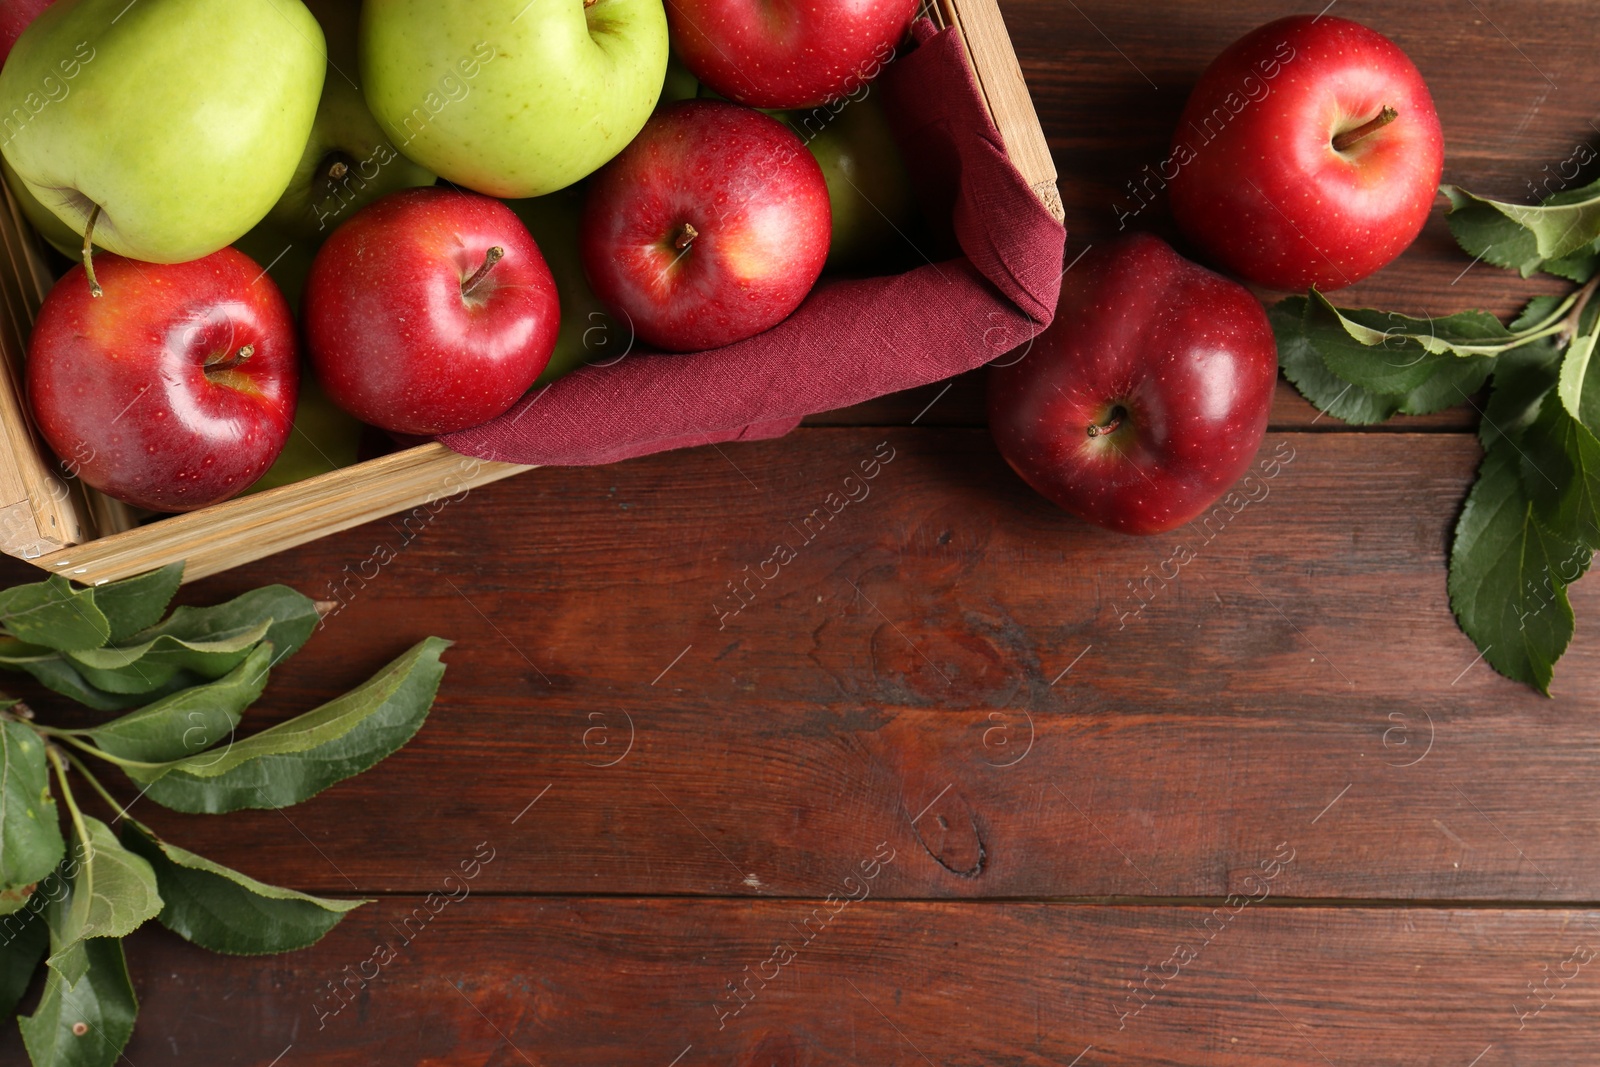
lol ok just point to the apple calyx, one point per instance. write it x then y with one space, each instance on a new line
685 237
1118 413
88 253
1342 142
489 260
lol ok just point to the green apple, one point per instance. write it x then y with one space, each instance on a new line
868 187
57 233
588 332
514 98
324 439
348 162
179 121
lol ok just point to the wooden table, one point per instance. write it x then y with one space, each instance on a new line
1280 815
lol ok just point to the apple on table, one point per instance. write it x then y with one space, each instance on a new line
1148 395
1309 154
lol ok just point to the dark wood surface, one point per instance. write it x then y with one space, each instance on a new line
955 673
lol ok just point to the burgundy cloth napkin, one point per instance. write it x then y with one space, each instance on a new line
851 340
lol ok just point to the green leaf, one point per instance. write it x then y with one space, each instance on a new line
102 1001
135 603
1506 585
55 614
1561 474
54 671
21 951
1302 364
1486 234
223 910
30 834
155 660
1349 335
1453 381
1578 267
189 721
293 617
297 759
1521 379
1575 375
113 893
1562 225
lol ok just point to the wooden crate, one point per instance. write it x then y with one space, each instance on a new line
64 527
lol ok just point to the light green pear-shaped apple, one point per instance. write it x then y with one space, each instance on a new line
180 120
348 162
514 98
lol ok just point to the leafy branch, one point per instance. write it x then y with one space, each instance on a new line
1531 522
183 684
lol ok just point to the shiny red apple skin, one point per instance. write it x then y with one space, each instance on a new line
787 53
1266 196
756 201
16 16
1188 356
393 339
120 388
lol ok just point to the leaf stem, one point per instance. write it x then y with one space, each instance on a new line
66 794
69 737
1570 322
83 769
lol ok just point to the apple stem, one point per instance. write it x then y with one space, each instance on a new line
587 4
1349 137
685 237
88 252
1118 413
489 260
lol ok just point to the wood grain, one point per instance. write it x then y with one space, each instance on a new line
602 982
1307 653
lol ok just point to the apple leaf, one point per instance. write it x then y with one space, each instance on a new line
52 670
1561 473
292 616
102 1003
1302 364
1560 226
112 893
1522 377
1507 584
223 910
55 614
154 661
188 721
133 604
21 952
297 759
1386 351
30 833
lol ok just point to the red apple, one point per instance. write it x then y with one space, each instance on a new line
173 390
787 53
1309 154
1148 395
709 228
16 16
430 311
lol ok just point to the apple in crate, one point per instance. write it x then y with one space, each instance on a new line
430 311
1309 154
787 54
709 228
1148 395
175 389
514 98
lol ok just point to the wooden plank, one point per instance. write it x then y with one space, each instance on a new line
604 982
1305 654
962 404
251 527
